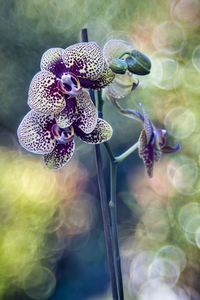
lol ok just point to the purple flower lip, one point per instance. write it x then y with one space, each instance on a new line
159 138
62 135
69 85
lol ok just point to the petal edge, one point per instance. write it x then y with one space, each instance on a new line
87 112
60 156
84 60
101 133
52 61
44 95
34 133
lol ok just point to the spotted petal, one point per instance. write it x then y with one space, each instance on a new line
87 112
34 133
44 95
156 154
68 115
146 153
52 61
148 126
101 133
61 154
105 78
84 60
113 48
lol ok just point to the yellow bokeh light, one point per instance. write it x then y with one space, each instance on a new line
37 206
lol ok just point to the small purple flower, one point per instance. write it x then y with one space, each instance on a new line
152 142
64 73
53 135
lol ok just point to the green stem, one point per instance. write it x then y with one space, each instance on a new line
113 209
100 104
109 151
106 221
124 53
121 157
104 202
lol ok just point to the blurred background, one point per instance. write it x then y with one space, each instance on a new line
51 238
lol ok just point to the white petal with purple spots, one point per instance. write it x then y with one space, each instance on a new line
52 61
34 133
68 115
61 154
49 57
101 133
84 60
87 112
44 94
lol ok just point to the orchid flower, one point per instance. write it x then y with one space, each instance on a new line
64 72
53 135
152 142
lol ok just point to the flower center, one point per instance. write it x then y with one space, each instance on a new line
62 135
159 138
69 84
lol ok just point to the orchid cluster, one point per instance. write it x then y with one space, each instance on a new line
61 106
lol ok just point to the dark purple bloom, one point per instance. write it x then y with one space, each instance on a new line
152 142
53 135
63 75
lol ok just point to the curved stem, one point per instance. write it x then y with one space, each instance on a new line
103 200
113 209
121 157
124 53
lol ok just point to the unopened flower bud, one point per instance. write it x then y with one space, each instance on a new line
118 66
138 63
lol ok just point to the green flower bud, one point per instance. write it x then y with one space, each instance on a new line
138 63
118 66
